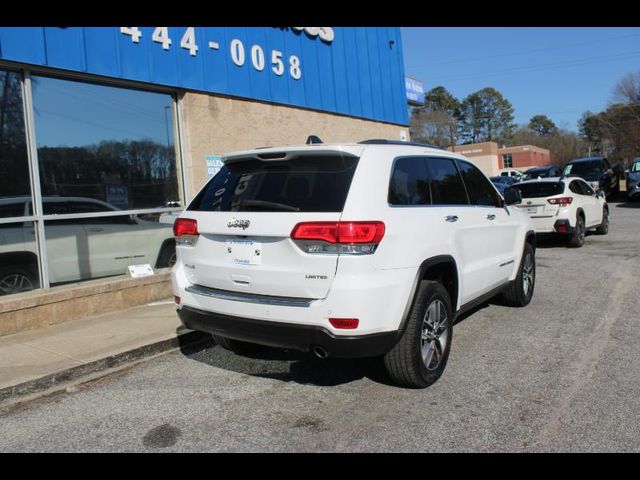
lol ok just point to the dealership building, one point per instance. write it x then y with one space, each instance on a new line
492 159
106 133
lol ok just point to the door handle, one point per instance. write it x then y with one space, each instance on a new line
491 216
96 229
451 218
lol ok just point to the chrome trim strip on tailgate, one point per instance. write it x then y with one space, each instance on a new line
249 297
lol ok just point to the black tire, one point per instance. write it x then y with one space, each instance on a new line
17 279
167 257
603 229
577 238
235 346
520 292
405 363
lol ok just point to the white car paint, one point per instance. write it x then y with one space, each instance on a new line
485 242
86 248
545 215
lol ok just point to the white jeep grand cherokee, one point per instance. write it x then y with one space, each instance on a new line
351 250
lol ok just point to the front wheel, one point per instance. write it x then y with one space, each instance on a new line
421 354
520 292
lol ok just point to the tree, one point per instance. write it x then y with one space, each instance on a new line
437 121
627 90
543 125
565 145
487 116
615 132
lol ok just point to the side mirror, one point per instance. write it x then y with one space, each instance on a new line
512 196
600 194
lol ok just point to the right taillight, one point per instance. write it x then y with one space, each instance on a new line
561 201
356 238
185 230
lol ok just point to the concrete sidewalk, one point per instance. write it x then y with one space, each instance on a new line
48 359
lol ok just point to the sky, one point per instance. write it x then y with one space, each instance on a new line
560 72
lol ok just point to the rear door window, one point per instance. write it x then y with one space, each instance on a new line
447 187
318 183
409 183
480 190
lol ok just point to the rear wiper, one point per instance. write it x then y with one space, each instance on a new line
262 203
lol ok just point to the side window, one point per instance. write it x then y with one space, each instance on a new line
586 189
409 183
446 184
575 187
480 191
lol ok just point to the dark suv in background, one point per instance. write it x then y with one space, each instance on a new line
543 172
633 180
597 171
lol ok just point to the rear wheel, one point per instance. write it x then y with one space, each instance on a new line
421 354
603 229
579 232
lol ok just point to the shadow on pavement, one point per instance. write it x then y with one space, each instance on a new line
629 204
286 365
293 366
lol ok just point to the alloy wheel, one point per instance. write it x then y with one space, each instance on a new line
528 274
435 335
15 283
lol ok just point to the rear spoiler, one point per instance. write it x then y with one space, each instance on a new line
284 156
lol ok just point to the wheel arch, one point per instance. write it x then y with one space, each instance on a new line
25 259
442 268
167 243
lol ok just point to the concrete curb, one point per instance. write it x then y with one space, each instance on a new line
15 393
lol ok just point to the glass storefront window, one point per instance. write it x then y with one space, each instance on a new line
15 187
109 144
87 248
18 258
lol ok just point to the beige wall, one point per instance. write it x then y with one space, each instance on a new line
487 163
214 125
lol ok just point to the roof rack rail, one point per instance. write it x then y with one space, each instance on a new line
384 141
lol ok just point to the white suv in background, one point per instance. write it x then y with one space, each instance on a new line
350 250
78 248
565 206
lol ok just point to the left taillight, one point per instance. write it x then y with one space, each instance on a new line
185 230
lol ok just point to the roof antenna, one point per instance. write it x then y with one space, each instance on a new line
311 139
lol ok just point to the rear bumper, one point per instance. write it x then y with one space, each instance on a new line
286 335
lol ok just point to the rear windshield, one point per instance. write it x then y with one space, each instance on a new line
317 183
541 189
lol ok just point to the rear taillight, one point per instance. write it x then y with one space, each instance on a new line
185 230
561 201
338 237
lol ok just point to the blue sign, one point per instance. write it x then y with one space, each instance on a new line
356 71
415 91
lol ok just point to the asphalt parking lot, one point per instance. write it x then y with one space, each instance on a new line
562 374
